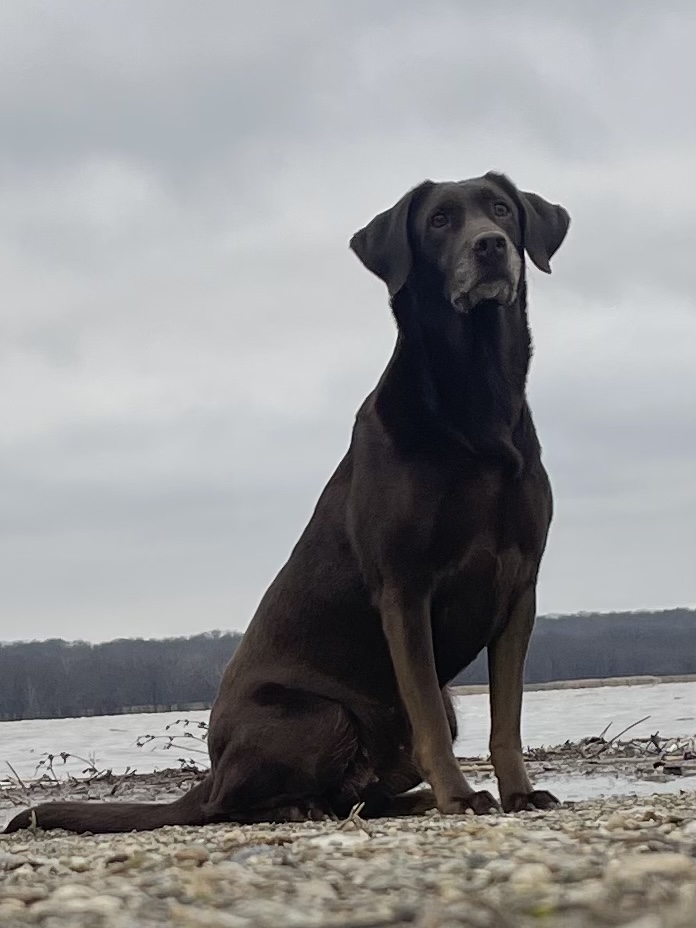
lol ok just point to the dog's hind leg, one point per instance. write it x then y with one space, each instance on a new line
395 793
285 755
289 755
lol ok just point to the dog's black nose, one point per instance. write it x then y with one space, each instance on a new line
489 246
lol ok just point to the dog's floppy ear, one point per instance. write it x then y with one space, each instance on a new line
545 227
383 245
544 224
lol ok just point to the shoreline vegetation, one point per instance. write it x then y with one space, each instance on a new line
656 758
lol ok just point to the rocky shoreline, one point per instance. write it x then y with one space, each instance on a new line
622 861
611 862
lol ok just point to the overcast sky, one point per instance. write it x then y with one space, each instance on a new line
185 336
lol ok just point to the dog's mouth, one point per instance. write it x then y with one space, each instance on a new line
499 292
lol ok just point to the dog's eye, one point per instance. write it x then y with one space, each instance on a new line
439 220
501 209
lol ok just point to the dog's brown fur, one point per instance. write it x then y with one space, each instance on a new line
423 549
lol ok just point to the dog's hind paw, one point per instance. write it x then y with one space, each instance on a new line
528 802
480 803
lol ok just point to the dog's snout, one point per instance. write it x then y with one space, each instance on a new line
490 246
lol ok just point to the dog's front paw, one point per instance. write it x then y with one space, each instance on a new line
480 802
528 802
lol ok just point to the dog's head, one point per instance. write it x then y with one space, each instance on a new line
472 235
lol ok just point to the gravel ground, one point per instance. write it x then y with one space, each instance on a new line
610 862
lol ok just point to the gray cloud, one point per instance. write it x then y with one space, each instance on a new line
185 336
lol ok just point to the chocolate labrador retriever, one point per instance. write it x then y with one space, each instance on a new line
423 549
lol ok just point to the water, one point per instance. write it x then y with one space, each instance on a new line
554 716
550 717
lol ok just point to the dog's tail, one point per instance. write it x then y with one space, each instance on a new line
103 817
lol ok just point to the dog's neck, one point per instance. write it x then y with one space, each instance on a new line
458 374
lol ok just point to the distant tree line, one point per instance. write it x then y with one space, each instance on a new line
59 679
609 644
56 678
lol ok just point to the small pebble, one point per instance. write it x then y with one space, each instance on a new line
10 861
69 891
79 864
22 893
194 852
531 875
630 871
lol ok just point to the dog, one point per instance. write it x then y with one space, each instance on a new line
423 549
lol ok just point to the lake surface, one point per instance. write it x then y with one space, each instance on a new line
550 717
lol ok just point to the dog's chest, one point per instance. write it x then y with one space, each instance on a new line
487 541
487 517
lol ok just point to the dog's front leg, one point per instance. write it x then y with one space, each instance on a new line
506 657
406 623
